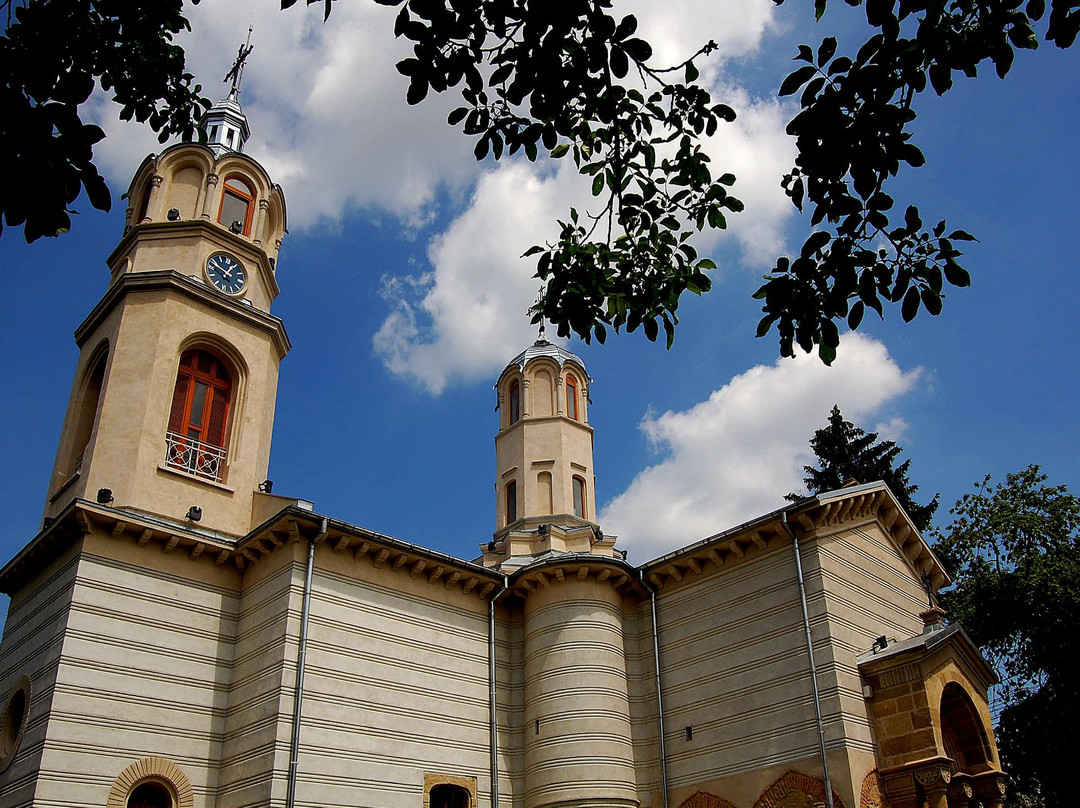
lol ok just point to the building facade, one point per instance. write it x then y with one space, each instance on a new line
181 637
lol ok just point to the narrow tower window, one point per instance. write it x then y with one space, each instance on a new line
237 205
571 398
511 502
515 402
198 416
579 497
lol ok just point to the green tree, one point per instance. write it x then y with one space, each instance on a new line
574 80
1013 550
849 453
51 57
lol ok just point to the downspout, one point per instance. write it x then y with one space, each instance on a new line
492 717
810 652
301 661
659 698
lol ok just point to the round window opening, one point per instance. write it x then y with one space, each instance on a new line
13 723
150 795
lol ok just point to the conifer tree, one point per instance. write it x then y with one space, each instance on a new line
847 453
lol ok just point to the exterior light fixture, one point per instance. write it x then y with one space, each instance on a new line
104 496
194 513
173 215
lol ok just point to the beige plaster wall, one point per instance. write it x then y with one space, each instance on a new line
734 668
396 686
144 672
869 590
554 444
128 453
32 646
578 747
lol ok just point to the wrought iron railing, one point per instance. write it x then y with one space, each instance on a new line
194 457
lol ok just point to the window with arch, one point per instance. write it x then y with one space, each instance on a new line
579 497
199 415
515 401
150 795
447 795
571 398
88 410
237 205
511 502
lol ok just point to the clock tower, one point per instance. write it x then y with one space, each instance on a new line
171 410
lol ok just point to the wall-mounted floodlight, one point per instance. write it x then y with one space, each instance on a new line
194 513
104 496
173 215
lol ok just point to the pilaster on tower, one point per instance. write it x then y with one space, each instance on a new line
545 481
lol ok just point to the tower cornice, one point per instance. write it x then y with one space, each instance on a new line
171 280
201 228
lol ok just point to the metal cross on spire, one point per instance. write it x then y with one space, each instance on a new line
236 72
539 300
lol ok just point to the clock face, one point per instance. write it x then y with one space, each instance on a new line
226 273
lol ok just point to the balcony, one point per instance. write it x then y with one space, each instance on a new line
194 457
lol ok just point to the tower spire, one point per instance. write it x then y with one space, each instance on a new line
225 124
236 72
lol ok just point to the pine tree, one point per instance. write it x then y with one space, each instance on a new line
847 453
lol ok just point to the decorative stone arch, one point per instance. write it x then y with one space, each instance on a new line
703 799
796 790
870 795
152 770
467 785
964 738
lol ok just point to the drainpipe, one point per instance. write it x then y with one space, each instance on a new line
492 718
659 699
301 661
810 652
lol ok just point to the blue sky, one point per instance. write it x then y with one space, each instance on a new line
404 293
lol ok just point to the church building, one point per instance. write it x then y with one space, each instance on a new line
180 636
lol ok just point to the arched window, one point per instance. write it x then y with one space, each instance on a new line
511 502
149 795
237 205
579 497
199 415
446 795
515 401
87 415
571 398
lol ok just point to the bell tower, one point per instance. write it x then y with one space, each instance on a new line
545 483
171 410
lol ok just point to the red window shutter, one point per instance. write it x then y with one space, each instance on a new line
219 408
179 402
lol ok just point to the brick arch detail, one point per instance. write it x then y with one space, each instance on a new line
154 769
796 790
703 799
870 796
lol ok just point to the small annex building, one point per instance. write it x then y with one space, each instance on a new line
179 636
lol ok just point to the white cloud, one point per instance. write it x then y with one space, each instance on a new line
330 123
732 457
326 107
468 317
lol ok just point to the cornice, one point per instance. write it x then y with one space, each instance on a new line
171 280
199 228
813 518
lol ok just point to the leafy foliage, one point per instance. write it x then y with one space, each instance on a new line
848 453
51 58
853 135
574 80
571 79
1014 552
